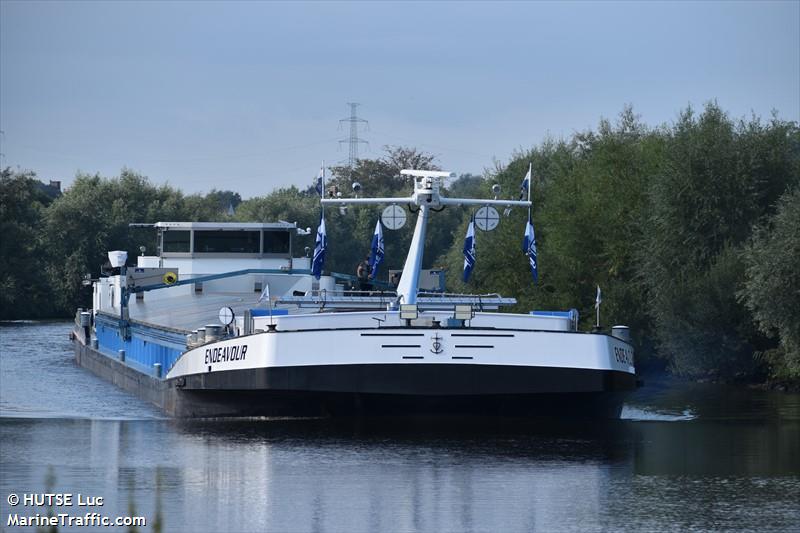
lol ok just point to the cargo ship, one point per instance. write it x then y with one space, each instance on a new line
232 319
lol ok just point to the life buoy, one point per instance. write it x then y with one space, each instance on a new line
169 278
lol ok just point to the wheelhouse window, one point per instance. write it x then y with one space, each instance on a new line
242 242
175 241
276 242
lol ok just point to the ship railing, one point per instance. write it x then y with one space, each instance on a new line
323 299
366 300
448 300
354 281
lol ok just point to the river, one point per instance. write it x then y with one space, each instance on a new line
684 457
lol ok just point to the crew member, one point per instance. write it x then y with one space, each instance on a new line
362 273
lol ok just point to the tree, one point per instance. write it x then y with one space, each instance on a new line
716 181
772 284
22 206
91 218
225 202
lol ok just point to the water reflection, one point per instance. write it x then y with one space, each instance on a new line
374 475
717 449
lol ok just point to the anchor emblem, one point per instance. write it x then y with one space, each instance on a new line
437 344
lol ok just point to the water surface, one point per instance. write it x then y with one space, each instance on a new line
684 457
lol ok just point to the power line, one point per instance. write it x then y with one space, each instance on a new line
354 139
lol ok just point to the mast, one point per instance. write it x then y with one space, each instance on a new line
409 281
426 196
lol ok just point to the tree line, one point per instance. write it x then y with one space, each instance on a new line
691 229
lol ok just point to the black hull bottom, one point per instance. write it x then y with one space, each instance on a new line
326 404
355 390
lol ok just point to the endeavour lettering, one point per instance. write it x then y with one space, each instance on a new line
623 355
223 354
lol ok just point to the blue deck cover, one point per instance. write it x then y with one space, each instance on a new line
146 347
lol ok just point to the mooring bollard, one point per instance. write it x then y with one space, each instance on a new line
157 368
122 355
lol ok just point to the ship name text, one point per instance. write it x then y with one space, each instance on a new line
224 354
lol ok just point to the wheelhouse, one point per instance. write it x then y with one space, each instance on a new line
225 239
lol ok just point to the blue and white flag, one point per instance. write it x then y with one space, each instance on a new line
320 246
525 187
376 250
469 250
598 299
320 181
529 248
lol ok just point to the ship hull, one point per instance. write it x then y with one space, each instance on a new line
373 389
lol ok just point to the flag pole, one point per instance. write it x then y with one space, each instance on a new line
269 302
597 300
530 187
597 323
322 194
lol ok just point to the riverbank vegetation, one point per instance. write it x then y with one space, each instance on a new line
691 229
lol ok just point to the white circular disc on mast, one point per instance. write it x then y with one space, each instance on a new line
487 218
393 217
226 316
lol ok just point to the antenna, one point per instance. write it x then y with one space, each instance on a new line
354 139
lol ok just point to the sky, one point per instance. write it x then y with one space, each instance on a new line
248 96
